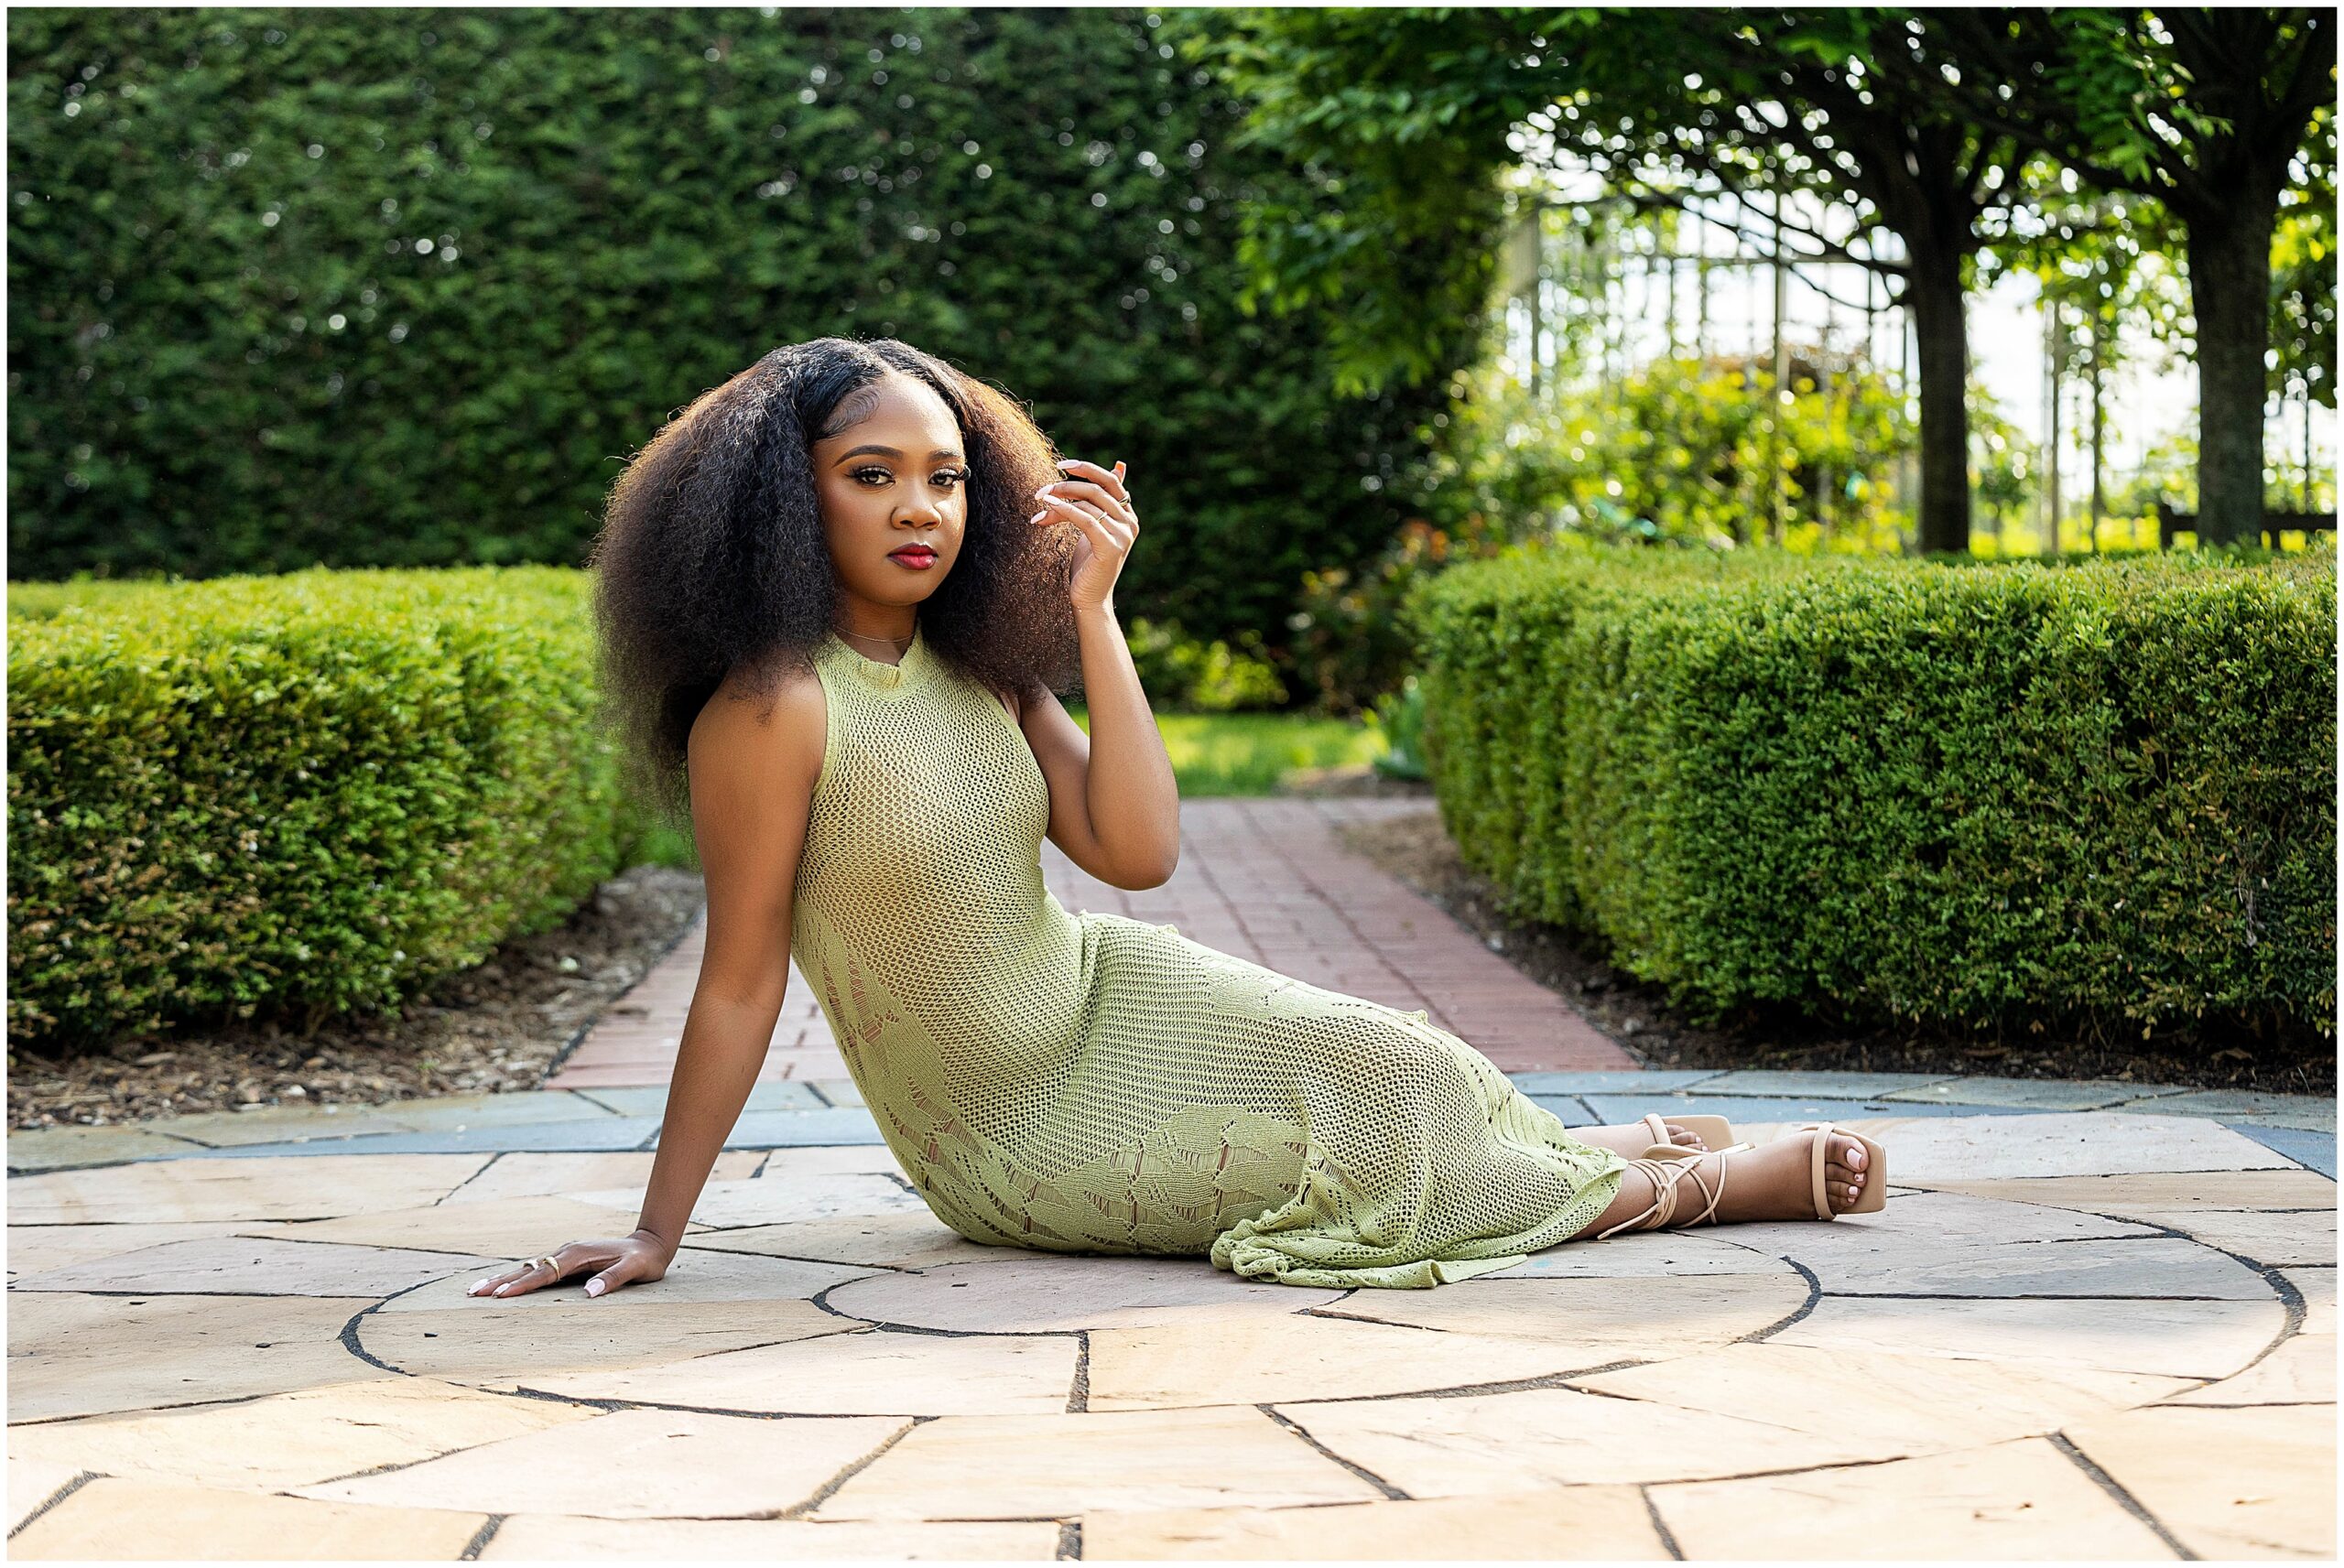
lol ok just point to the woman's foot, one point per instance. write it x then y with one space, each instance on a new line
1635 1137
1776 1180
1772 1181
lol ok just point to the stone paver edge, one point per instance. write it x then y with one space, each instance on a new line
2300 1127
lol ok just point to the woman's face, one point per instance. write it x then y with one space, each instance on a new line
896 477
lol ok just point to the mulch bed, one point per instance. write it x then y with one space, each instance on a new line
490 1029
1416 850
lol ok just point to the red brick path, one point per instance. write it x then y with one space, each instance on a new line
1261 878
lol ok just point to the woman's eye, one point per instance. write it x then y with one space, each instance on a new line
955 475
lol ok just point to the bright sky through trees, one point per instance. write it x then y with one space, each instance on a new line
2152 394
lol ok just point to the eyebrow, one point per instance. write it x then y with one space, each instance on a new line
892 452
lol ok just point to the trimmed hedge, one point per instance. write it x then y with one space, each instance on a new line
1884 789
308 793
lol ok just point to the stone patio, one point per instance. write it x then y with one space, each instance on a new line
2095 1321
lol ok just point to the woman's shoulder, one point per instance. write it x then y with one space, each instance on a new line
778 709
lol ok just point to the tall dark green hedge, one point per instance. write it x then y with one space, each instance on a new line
406 287
2100 796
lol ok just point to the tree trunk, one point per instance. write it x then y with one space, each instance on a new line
2230 293
2099 424
1941 335
2051 347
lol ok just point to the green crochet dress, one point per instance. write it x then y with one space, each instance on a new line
1090 1083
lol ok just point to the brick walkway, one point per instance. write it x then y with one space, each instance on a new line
1265 879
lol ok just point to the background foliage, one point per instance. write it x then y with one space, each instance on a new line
405 288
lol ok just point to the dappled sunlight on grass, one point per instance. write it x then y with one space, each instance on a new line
1248 753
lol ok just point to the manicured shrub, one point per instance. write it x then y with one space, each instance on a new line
1885 789
299 795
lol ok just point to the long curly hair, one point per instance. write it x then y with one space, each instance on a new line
711 556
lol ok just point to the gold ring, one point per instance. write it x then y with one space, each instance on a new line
547 1259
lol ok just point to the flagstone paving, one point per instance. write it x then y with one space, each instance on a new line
2096 1320
2073 1333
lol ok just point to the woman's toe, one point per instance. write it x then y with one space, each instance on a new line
1843 1178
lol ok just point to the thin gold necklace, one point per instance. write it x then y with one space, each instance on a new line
889 640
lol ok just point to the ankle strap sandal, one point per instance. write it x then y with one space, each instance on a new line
1663 1209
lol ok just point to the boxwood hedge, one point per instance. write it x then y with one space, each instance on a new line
303 793
1887 789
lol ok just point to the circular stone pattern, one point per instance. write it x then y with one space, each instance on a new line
1777 1390
1061 1294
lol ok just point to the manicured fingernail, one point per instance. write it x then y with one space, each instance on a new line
1035 518
593 1287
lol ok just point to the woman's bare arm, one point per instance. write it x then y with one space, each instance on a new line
754 763
1115 806
753 776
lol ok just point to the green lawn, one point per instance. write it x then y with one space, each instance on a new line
1248 753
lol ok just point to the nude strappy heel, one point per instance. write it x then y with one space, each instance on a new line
1662 1170
1713 1131
1662 1208
1874 1197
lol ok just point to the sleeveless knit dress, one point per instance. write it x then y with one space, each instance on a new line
1090 1083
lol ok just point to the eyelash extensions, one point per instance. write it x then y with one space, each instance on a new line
959 476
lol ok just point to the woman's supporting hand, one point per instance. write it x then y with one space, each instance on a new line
626 1261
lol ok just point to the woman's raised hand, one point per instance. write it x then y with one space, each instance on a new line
1094 501
624 1260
